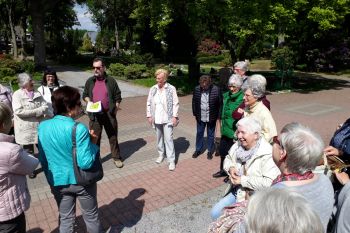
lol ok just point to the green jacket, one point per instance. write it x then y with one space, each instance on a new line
230 103
114 93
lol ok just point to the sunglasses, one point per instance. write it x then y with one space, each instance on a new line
275 140
97 67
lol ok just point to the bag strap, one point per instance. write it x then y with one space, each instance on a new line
74 148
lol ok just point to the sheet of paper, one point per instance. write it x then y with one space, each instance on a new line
94 107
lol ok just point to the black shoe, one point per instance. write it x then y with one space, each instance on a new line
227 179
210 155
217 153
196 154
219 174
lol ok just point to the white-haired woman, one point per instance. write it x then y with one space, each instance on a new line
162 112
254 107
249 164
231 100
296 152
29 108
240 68
15 164
281 211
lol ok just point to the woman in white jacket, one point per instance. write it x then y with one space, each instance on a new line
15 163
48 85
249 165
29 109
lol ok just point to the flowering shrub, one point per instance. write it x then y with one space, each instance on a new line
209 47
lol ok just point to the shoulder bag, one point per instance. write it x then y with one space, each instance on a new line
89 176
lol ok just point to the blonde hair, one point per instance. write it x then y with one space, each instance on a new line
160 71
5 114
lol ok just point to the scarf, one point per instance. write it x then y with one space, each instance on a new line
293 176
30 94
244 155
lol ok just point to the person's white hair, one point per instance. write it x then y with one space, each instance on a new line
304 147
250 124
257 85
23 79
5 114
281 211
242 65
235 80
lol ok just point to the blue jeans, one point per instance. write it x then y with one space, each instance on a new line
210 135
217 209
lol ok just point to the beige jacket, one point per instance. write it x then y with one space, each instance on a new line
27 115
261 170
261 113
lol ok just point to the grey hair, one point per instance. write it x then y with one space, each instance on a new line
23 79
304 147
257 85
235 80
5 114
281 211
251 125
242 65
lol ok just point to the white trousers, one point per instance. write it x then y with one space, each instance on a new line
165 142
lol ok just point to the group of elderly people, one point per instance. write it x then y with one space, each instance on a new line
273 184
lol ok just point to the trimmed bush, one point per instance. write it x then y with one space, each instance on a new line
27 66
135 71
210 59
117 69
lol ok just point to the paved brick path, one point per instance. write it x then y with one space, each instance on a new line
142 186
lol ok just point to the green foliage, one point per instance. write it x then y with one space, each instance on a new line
6 72
27 66
135 71
116 69
283 59
11 64
87 44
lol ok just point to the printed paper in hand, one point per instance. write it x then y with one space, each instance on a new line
94 107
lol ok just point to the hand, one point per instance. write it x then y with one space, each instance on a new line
240 110
150 120
174 121
117 108
233 171
235 179
332 151
93 136
342 177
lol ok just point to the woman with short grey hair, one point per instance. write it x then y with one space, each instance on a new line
231 100
296 152
29 108
254 107
249 165
281 211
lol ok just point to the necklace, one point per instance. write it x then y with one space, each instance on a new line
293 177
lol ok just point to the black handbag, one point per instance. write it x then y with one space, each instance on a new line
89 176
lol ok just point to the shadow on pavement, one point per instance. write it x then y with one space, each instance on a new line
35 230
181 145
122 212
127 148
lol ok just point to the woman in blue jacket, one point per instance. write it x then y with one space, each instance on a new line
55 155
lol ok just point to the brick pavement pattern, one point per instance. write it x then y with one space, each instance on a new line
142 186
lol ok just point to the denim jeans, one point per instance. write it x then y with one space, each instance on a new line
218 208
210 135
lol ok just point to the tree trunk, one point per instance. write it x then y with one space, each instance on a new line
116 36
193 69
37 14
12 28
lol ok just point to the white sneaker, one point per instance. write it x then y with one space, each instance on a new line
171 166
160 159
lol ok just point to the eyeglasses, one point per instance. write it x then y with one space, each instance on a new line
229 86
275 140
97 67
